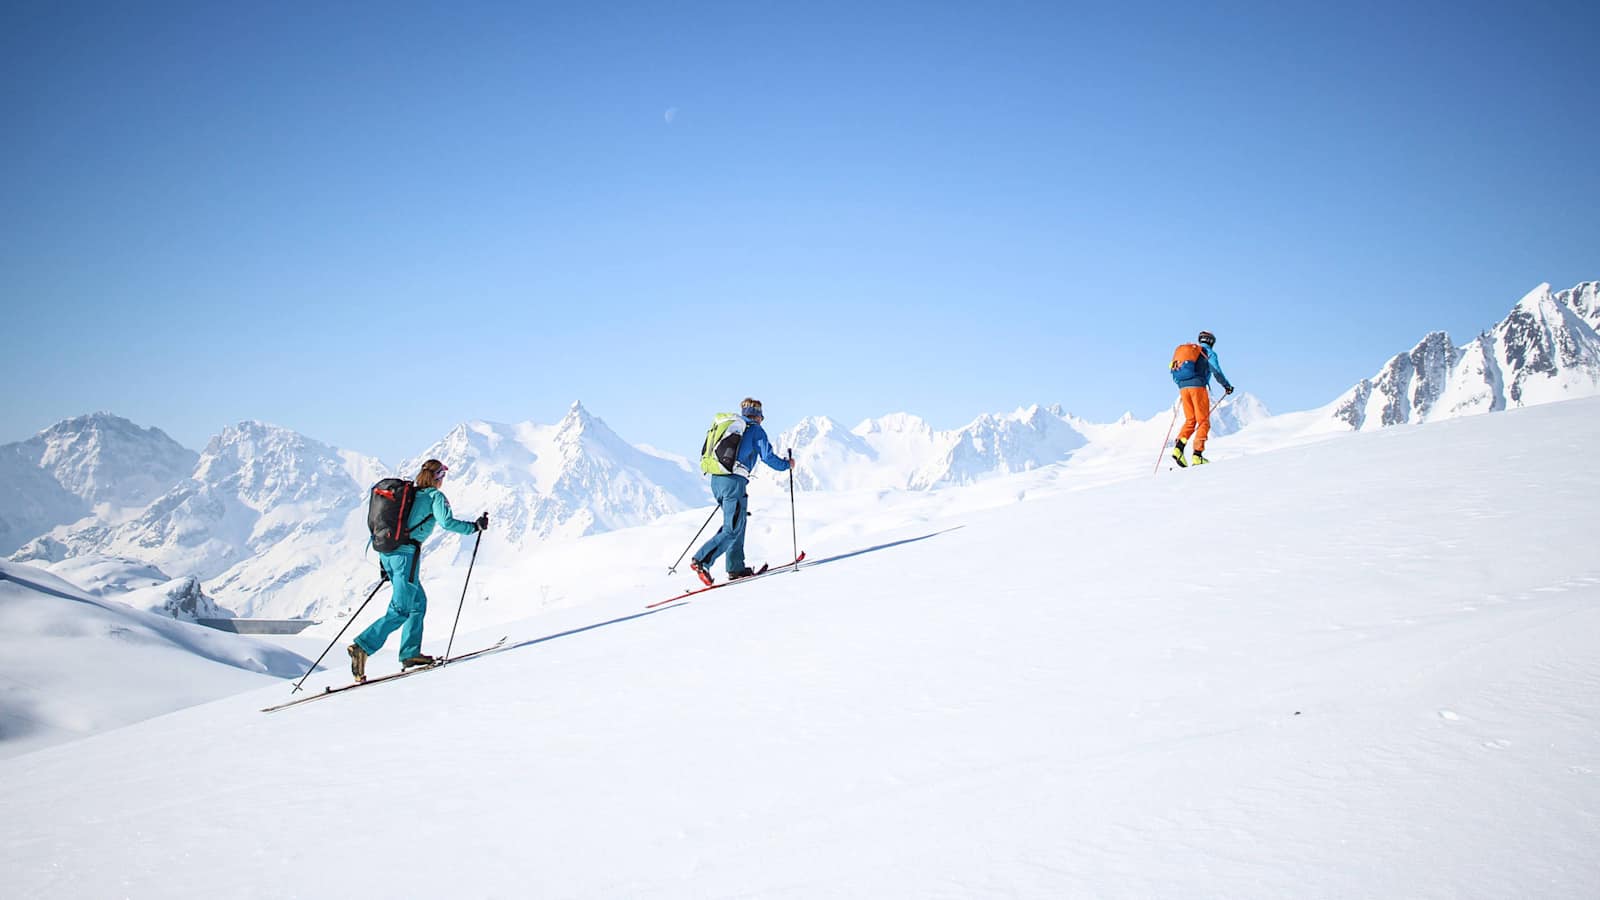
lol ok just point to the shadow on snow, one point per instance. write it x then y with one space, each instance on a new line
810 564
650 612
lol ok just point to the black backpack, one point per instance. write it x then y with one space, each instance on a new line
387 510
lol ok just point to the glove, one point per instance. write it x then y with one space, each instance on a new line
483 522
1227 390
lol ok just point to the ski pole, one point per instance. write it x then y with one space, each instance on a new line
794 533
1163 451
674 566
336 637
463 597
1215 405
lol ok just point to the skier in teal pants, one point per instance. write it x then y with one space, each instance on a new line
409 603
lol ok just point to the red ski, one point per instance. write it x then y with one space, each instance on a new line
765 571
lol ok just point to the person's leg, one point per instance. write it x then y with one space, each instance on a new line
411 634
1190 418
398 565
736 545
1202 412
724 488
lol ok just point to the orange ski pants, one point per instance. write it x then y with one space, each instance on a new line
1196 415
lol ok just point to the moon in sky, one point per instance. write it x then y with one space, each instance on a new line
670 114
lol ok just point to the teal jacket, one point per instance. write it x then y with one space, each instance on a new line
431 507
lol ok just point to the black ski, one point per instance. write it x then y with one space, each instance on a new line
439 664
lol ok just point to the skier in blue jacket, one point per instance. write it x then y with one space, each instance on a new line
731 492
409 603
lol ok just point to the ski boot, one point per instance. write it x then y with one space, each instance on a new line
358 662
1198 459
700 571
421 659
1177 454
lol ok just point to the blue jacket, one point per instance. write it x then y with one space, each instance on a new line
752 446
430 504
1204 372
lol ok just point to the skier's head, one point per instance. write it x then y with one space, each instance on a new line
1207 338
431 475
750 408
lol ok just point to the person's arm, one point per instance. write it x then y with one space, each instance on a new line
1216 370
442 515
764 450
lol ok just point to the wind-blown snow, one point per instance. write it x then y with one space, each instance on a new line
1360 666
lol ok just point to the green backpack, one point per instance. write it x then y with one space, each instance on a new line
721 447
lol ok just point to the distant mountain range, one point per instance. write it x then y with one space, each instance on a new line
263 507
262 510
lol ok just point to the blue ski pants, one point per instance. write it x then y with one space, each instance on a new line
732 495
408 604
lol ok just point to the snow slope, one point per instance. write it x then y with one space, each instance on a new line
73 664
1364 666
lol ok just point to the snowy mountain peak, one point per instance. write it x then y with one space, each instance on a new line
99 420
1239 409
1543 350
1538 295
1549 352
1584 299
103 457
1002 444
577 418
565 480
98 464
894 423
580 431
812 428
264 465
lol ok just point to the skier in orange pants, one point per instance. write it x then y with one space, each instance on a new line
1193 366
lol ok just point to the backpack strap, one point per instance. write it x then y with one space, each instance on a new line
416 559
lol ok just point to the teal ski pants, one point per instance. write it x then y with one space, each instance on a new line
730 491
408 604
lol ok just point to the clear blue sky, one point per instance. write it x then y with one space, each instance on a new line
369 222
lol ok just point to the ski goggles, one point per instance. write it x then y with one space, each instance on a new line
438 476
